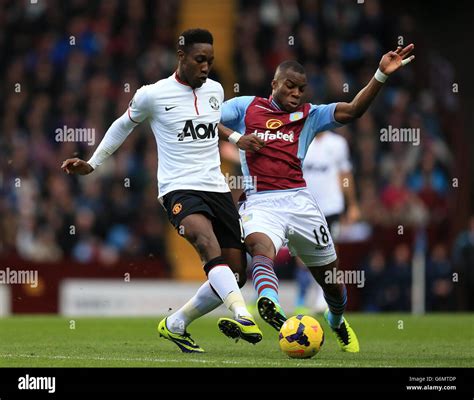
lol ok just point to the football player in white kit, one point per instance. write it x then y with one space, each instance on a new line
327 171
183 111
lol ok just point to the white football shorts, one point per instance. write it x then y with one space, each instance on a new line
290 218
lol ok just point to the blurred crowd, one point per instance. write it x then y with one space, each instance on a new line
76 64
449 277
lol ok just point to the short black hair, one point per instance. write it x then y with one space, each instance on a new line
290 64
192 36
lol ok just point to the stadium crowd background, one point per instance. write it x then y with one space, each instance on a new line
49 83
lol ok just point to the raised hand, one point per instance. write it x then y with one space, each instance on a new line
393 60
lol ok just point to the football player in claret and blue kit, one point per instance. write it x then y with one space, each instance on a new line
279 209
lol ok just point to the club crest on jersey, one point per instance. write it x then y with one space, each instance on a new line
177 208
200 131
273 123
296 116
214 103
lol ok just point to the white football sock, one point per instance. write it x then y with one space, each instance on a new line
205 300
236 303
224 283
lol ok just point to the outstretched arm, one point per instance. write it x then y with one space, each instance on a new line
390 62
137 112
112 140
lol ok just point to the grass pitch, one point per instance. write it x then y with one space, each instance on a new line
386 340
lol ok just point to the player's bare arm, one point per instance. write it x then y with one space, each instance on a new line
243 142
390 62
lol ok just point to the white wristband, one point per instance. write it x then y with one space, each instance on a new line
380 76
234 137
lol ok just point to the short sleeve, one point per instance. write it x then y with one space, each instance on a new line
233 112
139 109
321 117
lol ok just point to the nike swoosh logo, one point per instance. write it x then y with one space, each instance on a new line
170 108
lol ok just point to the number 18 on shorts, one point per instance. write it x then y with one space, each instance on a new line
291 218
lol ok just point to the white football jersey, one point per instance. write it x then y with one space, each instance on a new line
327 157
184 121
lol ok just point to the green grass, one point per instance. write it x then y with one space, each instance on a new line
436 340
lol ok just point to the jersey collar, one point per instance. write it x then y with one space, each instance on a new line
274 104
178 79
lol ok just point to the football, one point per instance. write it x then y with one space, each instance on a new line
301 336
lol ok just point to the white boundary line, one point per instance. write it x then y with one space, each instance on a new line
167 360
